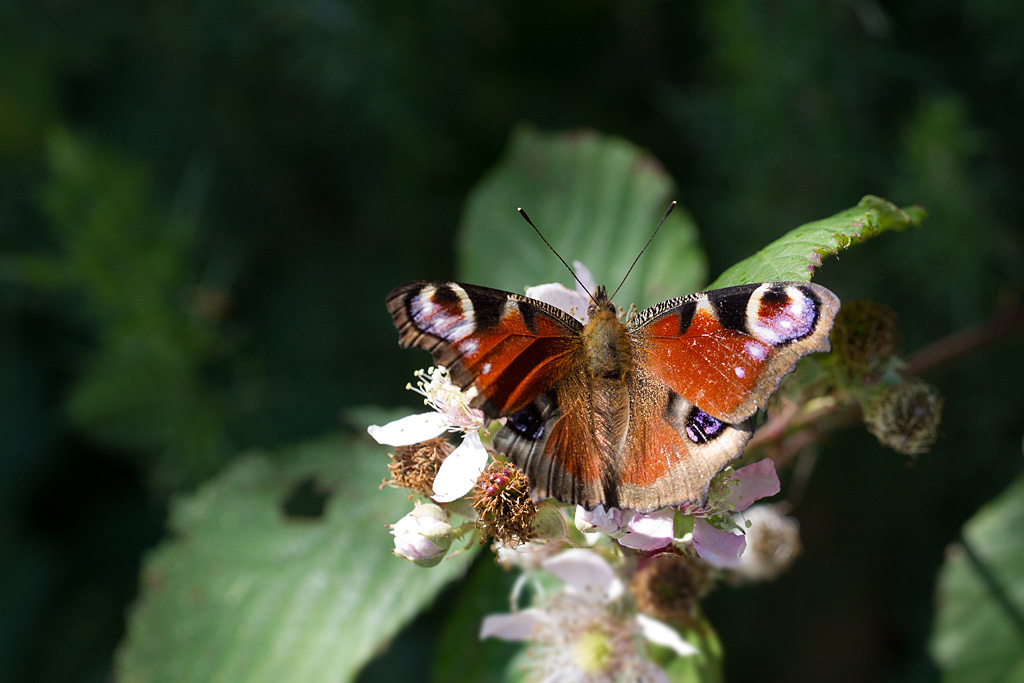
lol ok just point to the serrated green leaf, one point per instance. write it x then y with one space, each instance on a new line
245 592
795 255
979 624
597 200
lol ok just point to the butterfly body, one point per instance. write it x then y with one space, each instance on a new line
636 415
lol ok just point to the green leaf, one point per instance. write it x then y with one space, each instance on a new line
795 255
979 625
280 570
461 655
597 200
705 666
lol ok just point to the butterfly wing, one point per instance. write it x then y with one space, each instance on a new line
638 445
727 350
510 348
704 364
523 358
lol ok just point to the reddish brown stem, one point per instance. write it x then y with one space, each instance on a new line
942 351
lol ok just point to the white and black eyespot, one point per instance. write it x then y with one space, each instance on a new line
444 311
779 313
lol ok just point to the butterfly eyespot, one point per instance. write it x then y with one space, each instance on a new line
527 422
701 427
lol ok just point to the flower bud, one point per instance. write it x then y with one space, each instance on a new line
424 535
906 417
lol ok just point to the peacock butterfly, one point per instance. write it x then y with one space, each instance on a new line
634 415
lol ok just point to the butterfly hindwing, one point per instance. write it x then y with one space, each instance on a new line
675 450
509 347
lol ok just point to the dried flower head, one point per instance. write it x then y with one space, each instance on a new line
906 417
669 587
503 506
414 467
864 336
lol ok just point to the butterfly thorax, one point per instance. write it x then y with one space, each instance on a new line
607 343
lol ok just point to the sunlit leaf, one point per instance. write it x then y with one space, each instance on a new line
795 255
979 625
279 570
597 200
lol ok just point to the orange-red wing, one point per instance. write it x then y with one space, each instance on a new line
509 347
727 350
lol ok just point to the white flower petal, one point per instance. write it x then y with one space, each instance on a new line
516 626
561 297
606 521
589 285
650 531
460 470
718 548
585 573
663 634
410 429
757 480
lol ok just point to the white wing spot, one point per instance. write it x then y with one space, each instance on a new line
756 351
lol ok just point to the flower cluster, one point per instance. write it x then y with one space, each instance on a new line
587 631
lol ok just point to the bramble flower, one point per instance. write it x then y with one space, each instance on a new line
584 632
424 535
599 520
650 530
573 301
529 555
715 536
452 412
773 542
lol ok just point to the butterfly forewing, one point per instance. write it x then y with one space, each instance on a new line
727 350
509 347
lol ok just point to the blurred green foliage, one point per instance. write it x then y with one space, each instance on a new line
202 206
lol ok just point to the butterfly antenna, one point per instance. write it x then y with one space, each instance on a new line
670 207
527 218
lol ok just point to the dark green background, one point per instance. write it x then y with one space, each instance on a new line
230 188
